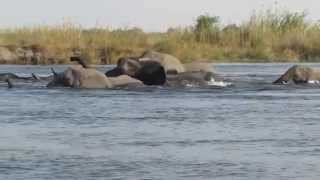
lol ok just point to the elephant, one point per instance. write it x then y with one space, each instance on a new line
152 72
5 76
149 72
8 77
299 74
125 81
198 66
169 62
80 77
84 77
128 66
196 74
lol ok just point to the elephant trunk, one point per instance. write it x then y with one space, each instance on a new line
286 77
35 77
114 72
280 81
10 85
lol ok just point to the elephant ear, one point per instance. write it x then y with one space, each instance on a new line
81 60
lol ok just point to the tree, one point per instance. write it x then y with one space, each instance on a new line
206 28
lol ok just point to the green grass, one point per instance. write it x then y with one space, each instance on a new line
268 36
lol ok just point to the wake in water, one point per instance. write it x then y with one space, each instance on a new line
239 81
314 82
213 82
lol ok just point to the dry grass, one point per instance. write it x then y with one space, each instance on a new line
266 37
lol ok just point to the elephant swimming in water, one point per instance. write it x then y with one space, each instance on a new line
79 77
12 76
299 74
149 72
152 72
8 77
83 77
168 62
128 66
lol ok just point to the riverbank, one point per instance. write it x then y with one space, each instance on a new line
266 37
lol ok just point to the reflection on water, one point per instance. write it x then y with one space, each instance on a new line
251 130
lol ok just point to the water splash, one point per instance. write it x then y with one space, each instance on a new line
213 82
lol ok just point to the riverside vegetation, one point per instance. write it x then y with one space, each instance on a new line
268 36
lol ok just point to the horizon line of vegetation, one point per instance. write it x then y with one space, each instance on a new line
268 36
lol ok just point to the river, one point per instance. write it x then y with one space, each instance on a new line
250 130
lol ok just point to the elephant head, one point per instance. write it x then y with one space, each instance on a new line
149 72
79 77
299 74
63 79
127 66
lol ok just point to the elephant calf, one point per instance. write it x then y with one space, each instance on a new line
299 74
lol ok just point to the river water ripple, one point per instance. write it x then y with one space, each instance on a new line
251 130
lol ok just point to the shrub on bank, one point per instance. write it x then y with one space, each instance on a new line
268 36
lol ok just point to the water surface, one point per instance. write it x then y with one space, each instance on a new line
251 130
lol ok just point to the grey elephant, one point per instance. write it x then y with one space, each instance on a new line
173 65
169 62
195 74
79 76
8 77
299 74
149 72
5 76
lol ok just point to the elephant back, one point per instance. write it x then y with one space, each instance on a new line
91 78
79 77
198 67
125 81
169 62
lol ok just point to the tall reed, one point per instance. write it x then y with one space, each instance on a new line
268 36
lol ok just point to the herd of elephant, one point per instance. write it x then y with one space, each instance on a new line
151 68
